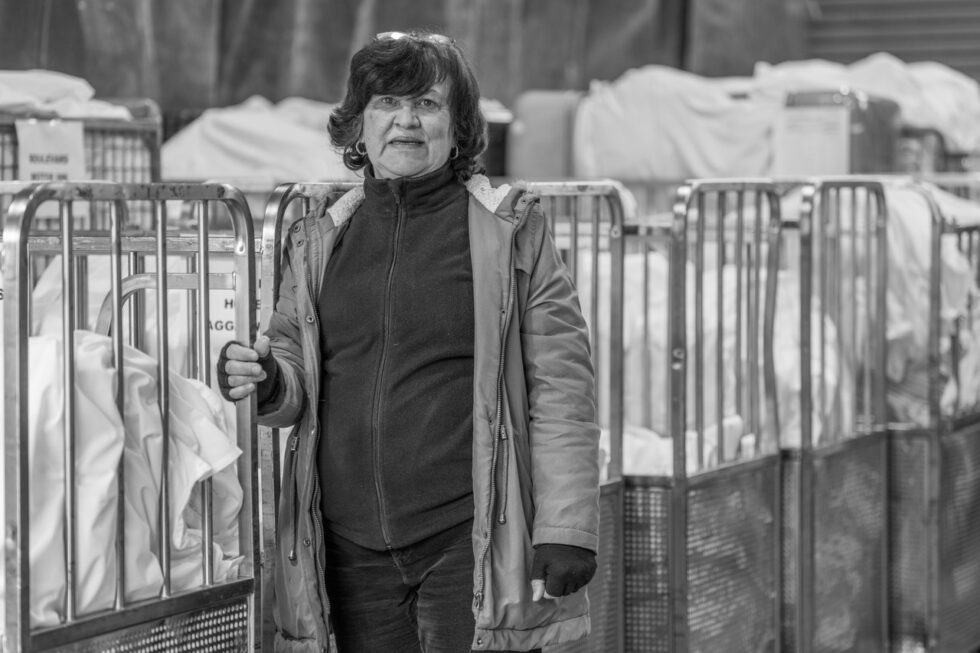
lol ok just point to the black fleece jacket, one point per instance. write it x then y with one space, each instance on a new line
396 320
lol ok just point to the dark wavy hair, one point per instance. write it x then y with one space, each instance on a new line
409 66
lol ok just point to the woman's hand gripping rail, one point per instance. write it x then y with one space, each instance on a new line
243 370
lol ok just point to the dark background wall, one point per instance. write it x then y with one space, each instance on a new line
202 53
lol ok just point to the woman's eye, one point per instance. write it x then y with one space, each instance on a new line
387 101
427 103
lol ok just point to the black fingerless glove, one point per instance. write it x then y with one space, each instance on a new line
220 371
268 388
565 569
265 389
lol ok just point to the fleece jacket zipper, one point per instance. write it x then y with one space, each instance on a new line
376 425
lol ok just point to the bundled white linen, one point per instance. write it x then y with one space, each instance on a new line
657 122
648 453
646 447
50 92
48 296
909 241
200 447
98 450
47 313
908 299
256 144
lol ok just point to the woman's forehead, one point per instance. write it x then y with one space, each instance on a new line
439 88
404 79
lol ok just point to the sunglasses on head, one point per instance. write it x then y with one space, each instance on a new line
415 36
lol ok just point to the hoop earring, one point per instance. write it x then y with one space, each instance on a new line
454 153
360 148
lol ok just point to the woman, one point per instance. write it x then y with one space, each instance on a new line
440 491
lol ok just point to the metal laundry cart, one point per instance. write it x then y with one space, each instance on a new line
203 599
702 537
836 480
588 222
115 149
935 517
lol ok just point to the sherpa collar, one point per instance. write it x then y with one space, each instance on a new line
478 186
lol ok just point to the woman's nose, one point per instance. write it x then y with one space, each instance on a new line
406 116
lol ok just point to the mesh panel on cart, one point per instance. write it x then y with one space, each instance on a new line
647 600
122 156
848 489
215 630
908 539
960 538
607 585
848 494
731 553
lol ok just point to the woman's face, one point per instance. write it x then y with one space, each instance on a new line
408 136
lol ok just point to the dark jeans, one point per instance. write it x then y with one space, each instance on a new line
410 600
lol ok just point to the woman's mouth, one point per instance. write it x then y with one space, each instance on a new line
405 142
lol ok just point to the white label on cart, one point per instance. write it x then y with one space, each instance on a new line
52 150
222 302
812 141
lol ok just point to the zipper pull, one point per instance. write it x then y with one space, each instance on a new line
501 517
397 189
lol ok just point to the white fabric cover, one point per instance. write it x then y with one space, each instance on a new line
909 240
48 91
648 453
657 122
646 450
256 144
99 446
47 318
201 446
908 298
47 297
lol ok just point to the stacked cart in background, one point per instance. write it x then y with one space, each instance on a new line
935 456
588 224
115 149
121 150
876 388
703 531
835 461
